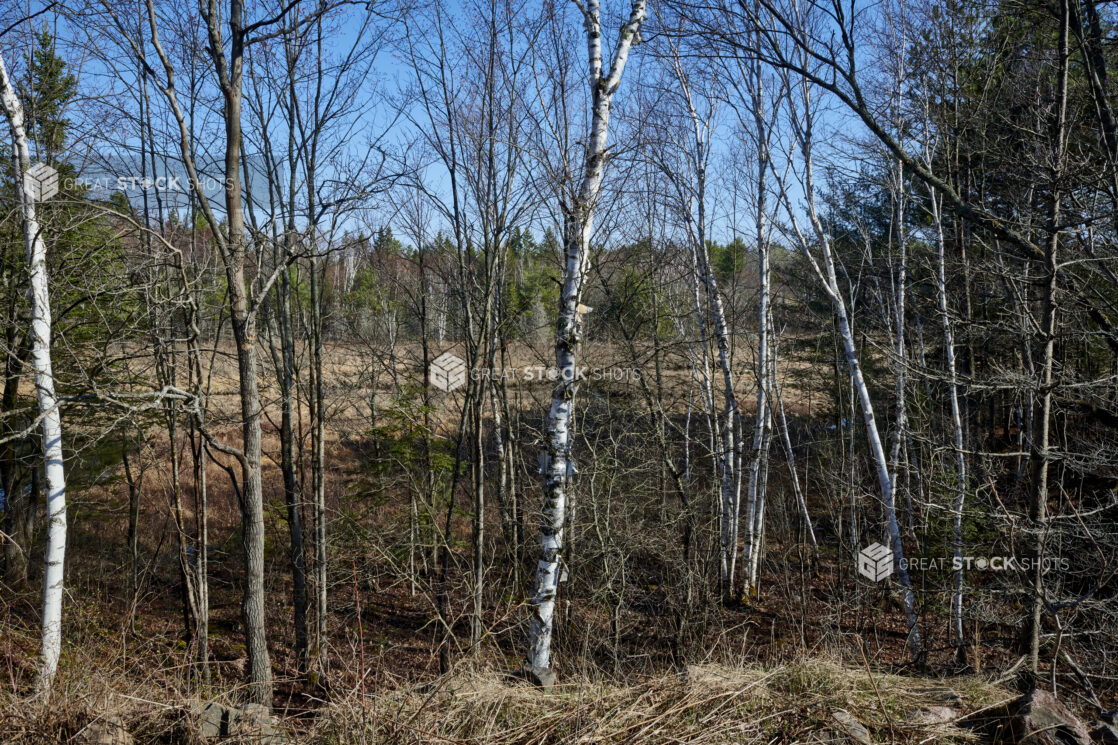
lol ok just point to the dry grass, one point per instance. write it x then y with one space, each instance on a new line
703 705
708 704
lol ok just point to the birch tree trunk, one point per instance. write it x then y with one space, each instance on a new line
727 455
877 449
759 464
692 198
51 423
755 498
802 125
900 349
579 216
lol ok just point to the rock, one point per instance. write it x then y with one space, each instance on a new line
541 677
215 720
107 731
845 724
253 713
931 715
1105 733
251 723
1037 718
256 724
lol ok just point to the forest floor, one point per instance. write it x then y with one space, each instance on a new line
806 701
774 670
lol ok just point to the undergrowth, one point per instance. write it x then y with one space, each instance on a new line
701 705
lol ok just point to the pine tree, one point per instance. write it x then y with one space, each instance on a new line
45 91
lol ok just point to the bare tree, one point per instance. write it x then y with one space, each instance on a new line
49 418
802 120
578 210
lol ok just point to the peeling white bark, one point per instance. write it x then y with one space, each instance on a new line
692 202
51 423
577 233
755 497
802 126
900 349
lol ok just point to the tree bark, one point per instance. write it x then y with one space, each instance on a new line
1041 453
51 423
829 281
579 218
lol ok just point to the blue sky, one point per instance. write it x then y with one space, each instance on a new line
112 140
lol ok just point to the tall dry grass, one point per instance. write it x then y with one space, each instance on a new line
708 704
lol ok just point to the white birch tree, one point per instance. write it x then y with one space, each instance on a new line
50 421
687 173
578 229
801 120
750 99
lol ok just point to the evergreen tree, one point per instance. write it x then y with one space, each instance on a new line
45 91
